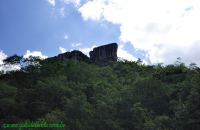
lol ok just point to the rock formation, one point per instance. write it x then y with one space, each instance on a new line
101 55
104 54
76 55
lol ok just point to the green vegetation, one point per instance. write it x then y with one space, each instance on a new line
121 96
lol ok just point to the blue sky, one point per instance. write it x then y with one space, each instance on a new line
148 29
36 25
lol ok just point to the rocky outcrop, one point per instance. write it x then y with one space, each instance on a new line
104 54
101 55
76 55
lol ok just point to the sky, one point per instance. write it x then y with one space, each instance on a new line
156 31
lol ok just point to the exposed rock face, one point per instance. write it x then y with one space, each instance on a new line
101 55
76 55
104 54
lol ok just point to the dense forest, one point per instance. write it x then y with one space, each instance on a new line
122 95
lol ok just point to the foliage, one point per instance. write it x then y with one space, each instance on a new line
120 96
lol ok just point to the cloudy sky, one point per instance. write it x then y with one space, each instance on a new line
157 31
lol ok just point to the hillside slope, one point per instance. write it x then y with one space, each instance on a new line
120 96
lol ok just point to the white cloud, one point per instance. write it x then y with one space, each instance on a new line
92 10
52 2
165 29
6 68
87 50
34 53
76 3
76 44
62 12
66 37
122 53
2 57
62 50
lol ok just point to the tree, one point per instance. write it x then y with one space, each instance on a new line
7 102
14 59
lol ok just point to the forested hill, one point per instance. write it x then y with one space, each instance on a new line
120 96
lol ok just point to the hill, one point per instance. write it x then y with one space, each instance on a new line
122 95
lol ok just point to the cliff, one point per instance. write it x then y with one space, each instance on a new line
104 54
100 55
